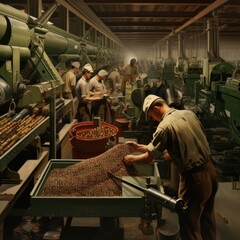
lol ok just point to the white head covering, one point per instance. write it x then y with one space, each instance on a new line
148 102
102 73
88 67
76 64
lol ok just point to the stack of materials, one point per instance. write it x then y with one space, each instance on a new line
89 177
14 128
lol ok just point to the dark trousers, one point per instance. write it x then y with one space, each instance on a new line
123 83
198 190
83 114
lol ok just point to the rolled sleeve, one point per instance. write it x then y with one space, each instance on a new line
158 143
154 151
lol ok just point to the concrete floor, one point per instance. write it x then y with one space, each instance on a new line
227 211
130 227
88 229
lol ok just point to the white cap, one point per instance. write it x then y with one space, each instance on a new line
88 67
102 73
148 102
76 64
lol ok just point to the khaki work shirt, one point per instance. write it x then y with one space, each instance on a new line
181 133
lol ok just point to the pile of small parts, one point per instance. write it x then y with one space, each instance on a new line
90 177
13 129
98 132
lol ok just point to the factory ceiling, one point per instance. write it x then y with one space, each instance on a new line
147 23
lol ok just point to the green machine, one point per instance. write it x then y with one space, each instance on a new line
34 54
218 97
219 102
23 60
216 74
188 72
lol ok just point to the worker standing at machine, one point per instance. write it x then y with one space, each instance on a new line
180 138
84 95
114 80
70 80
130 73
97 85
121 67
100 108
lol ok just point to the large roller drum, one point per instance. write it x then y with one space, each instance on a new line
5 92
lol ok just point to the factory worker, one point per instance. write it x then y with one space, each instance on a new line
130 73
121 67
180 139
96 84
100 108
114 80
83 94
69 79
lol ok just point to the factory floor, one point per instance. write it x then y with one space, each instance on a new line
88 229
29 228
227 210
130 228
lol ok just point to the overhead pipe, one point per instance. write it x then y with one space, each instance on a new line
168 50
213 39
180 47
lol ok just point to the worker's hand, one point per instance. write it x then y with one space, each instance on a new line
96 98
133 146
98 94
129 159
91 94
138 158
166 155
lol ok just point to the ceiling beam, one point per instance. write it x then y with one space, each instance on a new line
140 31
141 14
142 24
134 14
200 15
154 2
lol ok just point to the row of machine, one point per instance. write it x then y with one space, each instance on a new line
34 53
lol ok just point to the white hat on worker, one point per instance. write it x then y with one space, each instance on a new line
88 67
148 101
76 64
102 73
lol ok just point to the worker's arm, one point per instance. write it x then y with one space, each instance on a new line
90 99
146 157
135 147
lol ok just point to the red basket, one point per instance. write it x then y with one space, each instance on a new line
83 147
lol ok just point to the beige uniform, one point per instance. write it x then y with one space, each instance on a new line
181 133
114 80
70 82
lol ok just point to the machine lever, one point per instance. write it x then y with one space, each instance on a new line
155 196
43 19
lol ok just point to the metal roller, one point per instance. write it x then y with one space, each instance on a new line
56 44
155 196
17 33
5 92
